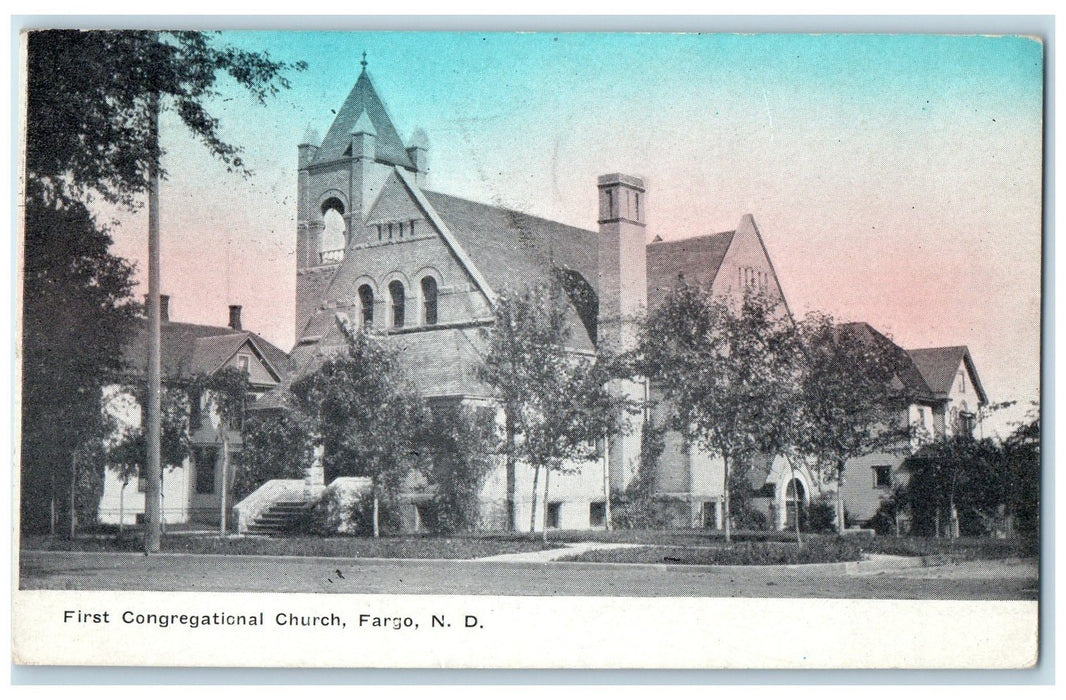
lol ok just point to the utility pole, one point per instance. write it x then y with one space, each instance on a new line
155 472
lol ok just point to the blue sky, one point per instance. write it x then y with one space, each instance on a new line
895 179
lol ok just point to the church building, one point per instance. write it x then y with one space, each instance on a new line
378 248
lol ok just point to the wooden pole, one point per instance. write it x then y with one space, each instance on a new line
152 513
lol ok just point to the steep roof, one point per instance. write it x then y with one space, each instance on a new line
516 251
938 367
362 99
696 259
906 369
188 349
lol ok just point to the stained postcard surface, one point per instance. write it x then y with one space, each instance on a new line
346 222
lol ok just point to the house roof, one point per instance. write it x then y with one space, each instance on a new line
697 260
363 100
189 349
939 365
906 370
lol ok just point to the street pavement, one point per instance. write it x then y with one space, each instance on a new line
1009 580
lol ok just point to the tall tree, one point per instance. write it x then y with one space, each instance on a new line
556 402
365 414
76 313
852 399
93 101
726 371
89 112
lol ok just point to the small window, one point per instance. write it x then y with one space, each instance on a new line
398 303
638 206
610 204
379 231
205 458
366 301
429 301
597 514
882 476
710 518
142 482
412 227
554 509
244 363
967 423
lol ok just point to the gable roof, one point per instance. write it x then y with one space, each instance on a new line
363 99
939 365
906 370
189 349
697 260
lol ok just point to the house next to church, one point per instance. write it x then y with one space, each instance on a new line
191 492
378 248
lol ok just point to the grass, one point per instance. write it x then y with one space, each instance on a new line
657 546
396 547
816 551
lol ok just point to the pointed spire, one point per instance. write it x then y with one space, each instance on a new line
310 138
363 103
363 62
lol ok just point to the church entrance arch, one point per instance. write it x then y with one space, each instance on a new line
794 492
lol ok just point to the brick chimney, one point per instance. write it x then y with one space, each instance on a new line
164 307
235 317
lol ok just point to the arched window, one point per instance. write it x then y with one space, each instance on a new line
429 300
334 234
366 300
397 294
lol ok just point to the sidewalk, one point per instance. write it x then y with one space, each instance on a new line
546 555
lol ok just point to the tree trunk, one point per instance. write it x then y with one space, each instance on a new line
73 486
152 516
795 493
547 482
533 507
607 524
122 506
222 489
377 528
512 490
725 502
841 525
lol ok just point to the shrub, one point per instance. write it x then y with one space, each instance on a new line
820 515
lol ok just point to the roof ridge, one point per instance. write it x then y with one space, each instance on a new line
697 237
508 210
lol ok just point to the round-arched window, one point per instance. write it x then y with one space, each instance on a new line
366 301
429 301
396 291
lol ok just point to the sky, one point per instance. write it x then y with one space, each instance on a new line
895 179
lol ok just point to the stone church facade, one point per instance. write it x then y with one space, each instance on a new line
377 248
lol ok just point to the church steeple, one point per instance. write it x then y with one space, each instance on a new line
363 99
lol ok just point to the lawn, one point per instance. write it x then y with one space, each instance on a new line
818 551
658 546
393 547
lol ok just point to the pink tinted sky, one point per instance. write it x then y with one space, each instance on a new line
895 179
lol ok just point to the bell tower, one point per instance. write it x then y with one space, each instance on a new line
338 179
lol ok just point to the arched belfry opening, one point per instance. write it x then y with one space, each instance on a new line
335 230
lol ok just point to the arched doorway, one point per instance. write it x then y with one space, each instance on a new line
795 491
